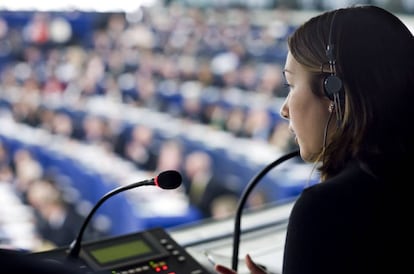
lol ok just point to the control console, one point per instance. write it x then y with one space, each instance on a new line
150 251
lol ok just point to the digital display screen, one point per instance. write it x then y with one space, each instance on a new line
108 254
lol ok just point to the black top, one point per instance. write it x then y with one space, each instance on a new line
352 223
16 262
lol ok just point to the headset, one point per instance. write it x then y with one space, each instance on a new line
332 84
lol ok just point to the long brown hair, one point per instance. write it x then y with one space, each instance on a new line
374 54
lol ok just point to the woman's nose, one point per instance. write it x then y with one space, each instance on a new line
284 111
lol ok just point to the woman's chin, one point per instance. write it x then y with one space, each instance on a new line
307 156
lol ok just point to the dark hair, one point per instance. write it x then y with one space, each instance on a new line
374 54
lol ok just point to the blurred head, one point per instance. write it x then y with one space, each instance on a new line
45 197
370 118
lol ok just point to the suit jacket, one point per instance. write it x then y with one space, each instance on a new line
353 223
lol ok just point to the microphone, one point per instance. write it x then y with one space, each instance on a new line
243 199
169 179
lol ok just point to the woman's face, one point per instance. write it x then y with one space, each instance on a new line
307 113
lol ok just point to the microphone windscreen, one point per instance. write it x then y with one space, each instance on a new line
169 179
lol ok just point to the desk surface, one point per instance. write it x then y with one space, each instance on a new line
259 228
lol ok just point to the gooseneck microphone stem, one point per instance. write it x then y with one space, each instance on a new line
243 199
76 244
170 179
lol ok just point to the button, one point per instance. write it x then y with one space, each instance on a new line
175 252
181 258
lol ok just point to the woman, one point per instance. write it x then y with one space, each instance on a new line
350 74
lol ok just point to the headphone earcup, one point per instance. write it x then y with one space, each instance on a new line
332 85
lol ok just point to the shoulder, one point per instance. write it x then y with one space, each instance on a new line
353 179
351 188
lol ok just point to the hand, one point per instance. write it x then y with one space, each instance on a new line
252 266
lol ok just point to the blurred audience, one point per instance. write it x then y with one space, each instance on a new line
141 149
26 170
57 222
219 69
206 191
